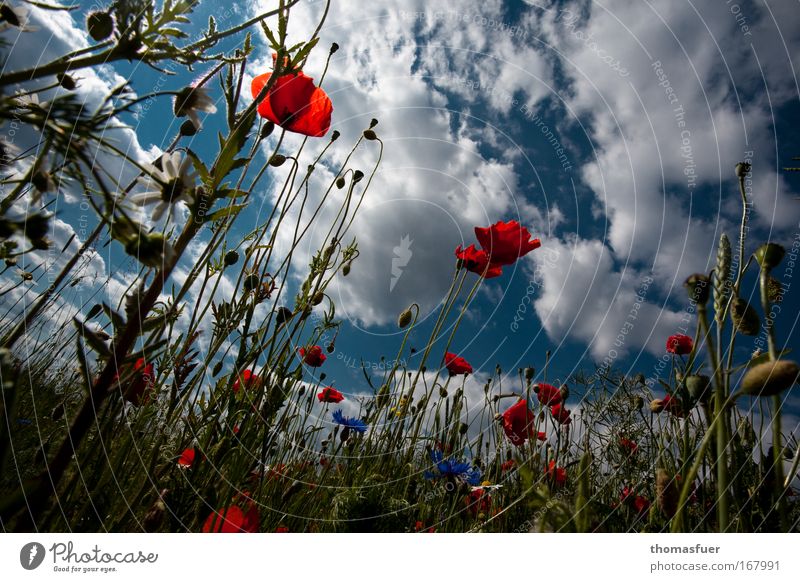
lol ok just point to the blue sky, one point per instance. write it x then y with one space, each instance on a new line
610 130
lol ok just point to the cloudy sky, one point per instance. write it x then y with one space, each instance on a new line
610 129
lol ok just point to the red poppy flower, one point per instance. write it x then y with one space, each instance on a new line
679 344
628 446
560 414
456 365
641 504
508 465
312 356
477 261
419 526
330 394
141 389
186 459
558 474
478 501
234 519
673 405
505 242
547 394
518 424
248 380
294 103
281 529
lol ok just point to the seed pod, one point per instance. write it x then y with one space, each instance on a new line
770 378
666 493
277 160
699 387
340 182
745 318
769 255
370 135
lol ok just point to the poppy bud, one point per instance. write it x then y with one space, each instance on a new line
463 428
251 282
283 315
37 226
346 269
335 135
330 348
334 48
65 81
530 373
370 135
742 169
217 368
745 318
404 319
564 391
656 405
231 258
188 128
266 130
373 123
699 387
340 182
277 160
770 378
699 288
442 393
100 25
769 255
319 296
357 176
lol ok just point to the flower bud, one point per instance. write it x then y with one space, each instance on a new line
334 48
564 391
699 288
335 135
346 269
769 255
699 387
330 348
442 393
251 282
656 405
373 122
742 169
100 25
340 182
770 378
530 373
277 160
283 315
266 130
231 258
188 128
745 318
66 81
357 176
404 319
37 226
319 296
370 135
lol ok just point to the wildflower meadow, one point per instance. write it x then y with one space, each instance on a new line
205 382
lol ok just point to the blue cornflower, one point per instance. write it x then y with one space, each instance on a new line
355 424
450 468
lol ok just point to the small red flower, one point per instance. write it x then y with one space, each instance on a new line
248 380
673 405
478 501
547 394
186 459
558 474
560 414
238 518
456 365
419 526
330 394
281 529
518 424
313 356
628 446
508 465
505 242
679 344
641 504
141 389
477 261
294 103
